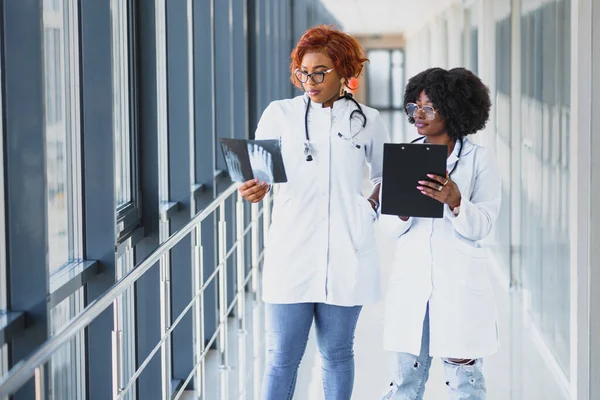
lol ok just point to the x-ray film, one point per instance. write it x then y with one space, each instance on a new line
254 159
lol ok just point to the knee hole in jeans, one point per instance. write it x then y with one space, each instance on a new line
459 361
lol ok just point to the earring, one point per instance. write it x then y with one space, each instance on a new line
342 89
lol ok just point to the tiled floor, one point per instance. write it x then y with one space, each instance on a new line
517 372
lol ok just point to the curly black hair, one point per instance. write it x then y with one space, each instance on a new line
458 95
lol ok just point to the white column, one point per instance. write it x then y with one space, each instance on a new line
582 349
455 38
486 65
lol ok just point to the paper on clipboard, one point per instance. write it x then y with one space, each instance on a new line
404 165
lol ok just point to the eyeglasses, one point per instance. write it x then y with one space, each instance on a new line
412 110
317 77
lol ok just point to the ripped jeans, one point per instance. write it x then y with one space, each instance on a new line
465 380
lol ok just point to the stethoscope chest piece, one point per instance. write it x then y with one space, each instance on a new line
307 151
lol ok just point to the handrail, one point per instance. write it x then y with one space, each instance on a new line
25 369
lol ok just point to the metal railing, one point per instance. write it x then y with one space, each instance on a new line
34 366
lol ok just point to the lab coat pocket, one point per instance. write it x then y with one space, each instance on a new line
363 227
471 265
280 216
281 206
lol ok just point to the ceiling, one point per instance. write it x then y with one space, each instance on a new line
369 17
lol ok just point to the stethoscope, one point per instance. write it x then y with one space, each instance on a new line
457 157
347 96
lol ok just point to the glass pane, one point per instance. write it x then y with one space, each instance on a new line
545 39
397 79
56 142
121 102
62 133
503 131
3 362
126 311
67 364
3 281
378 75
63 176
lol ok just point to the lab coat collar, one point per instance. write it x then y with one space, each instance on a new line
467 148
339 106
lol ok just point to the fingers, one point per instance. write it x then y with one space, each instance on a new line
248 184
256 195
437 178
432 185
253 191
433 193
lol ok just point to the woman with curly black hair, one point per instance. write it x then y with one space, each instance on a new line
440 302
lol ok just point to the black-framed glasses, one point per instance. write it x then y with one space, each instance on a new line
317 77
413 110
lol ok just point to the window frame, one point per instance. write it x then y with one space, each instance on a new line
4 295
129 214
69 36
72 366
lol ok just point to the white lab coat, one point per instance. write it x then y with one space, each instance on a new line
440 261
321 245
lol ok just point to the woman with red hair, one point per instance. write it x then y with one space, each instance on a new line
321 260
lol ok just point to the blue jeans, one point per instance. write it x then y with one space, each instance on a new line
464 380
288 326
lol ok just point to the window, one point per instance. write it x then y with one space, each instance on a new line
67 365
3 275
123 123
126 322
63 177
63 162
385 88
378 74
125 179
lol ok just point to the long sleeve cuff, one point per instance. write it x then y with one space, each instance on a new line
472 222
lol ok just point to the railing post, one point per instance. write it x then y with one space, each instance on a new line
116 351
223 329
256 306
165 319
40 385
241 268
199 335
241 296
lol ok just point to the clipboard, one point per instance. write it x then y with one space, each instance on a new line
254 159
404 165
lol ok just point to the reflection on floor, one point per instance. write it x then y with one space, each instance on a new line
516 372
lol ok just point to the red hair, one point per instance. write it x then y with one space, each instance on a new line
346 53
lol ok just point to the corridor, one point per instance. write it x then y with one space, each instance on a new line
131 265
